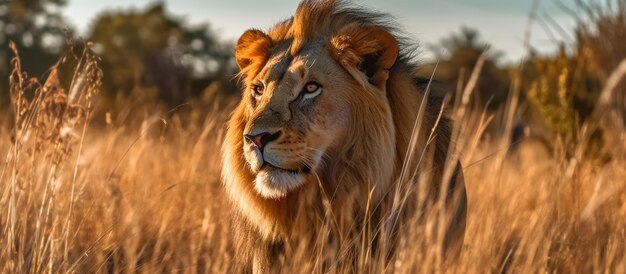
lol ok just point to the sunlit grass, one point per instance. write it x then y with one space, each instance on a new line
145 196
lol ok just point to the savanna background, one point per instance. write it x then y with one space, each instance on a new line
111 126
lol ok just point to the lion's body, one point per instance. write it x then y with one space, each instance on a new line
363 169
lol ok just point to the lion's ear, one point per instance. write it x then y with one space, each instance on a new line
365 51
253 47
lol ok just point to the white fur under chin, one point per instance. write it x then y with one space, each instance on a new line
274 184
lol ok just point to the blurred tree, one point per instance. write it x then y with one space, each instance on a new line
152 48
38 30
564 89
600 47
553 92
459 54
563 96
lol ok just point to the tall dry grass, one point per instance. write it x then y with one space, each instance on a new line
143 194
146 198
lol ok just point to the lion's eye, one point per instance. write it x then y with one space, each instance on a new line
312 86
312 89
257 91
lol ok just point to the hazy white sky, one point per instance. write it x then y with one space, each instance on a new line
501 22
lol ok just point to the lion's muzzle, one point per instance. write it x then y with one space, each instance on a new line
279 160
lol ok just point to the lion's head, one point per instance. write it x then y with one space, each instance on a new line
329 102
300 104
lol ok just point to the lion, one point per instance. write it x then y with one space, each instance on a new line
333 124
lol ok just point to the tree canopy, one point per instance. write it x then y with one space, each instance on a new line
38 29
459 53
154 48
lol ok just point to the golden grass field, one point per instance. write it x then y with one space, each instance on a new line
139 191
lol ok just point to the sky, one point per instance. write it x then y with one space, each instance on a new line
502 23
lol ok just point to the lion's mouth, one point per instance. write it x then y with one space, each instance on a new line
274 182
304 169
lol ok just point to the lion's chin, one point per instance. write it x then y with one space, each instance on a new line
275 183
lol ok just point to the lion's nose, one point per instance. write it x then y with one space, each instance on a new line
261 140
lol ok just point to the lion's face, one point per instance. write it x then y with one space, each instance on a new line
297 110
299 101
